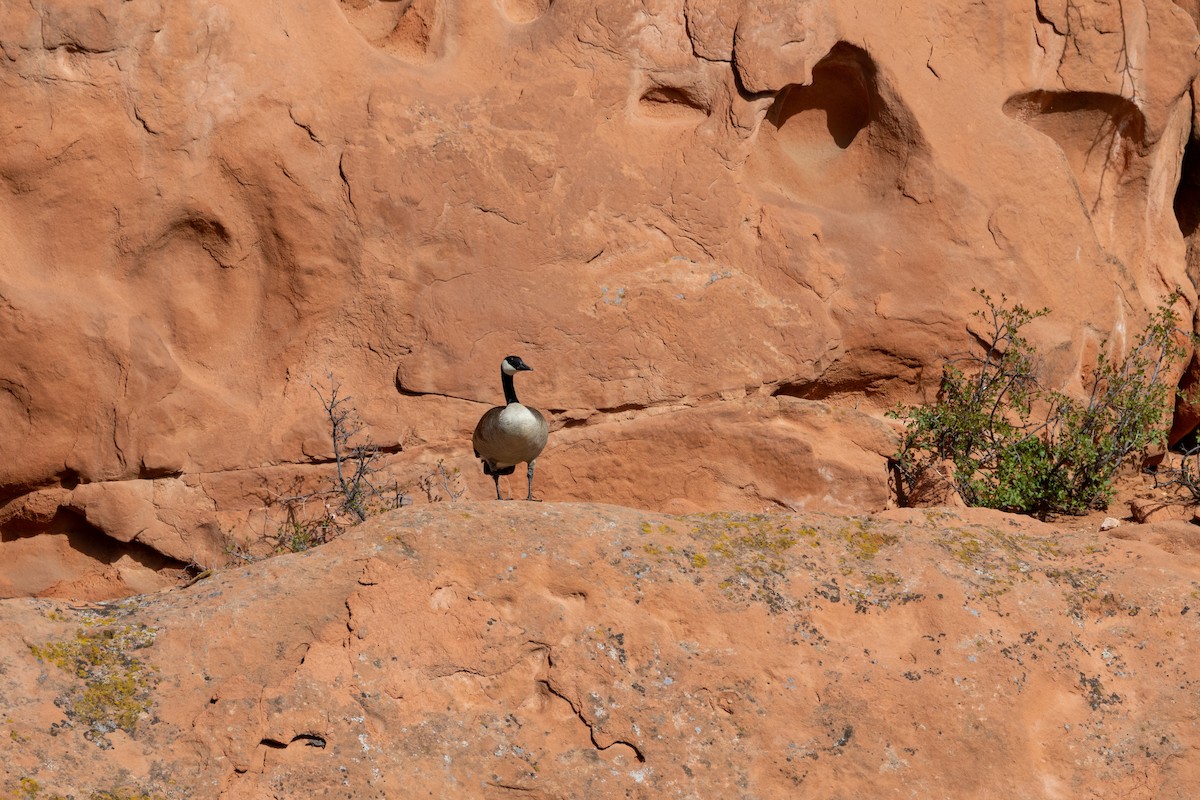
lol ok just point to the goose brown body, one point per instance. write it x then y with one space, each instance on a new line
510 434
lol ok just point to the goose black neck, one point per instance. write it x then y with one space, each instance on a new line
510 392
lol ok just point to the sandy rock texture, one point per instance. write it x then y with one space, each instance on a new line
727 236
577 650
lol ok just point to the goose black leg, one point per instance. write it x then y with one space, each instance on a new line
529 473
496 478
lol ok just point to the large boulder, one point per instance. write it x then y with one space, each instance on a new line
564 650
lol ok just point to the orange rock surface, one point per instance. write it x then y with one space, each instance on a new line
575 650
727 236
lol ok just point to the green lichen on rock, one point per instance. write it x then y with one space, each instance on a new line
863 540
115 683
752 537
995 560
752 550
30 789
123 794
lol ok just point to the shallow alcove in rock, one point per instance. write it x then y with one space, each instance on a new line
1100 134
674 103
843 141
1103 137
523 12
67 557
410 30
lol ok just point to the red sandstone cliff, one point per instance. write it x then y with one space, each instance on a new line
727 235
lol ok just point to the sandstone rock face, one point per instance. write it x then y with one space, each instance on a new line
726 235
559 650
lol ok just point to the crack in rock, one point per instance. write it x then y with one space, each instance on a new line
549 687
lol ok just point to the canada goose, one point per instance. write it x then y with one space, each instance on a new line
509 434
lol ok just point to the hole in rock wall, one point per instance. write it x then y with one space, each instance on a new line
1187 205
407 29
1101 135
68 479
829 114
837 142
673 103
1187 212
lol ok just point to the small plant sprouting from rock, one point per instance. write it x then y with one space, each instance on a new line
442 483
356 463
354 494
297 534
1014 445
116 683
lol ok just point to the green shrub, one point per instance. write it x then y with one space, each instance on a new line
1011 444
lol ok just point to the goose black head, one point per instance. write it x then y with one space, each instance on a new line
513 364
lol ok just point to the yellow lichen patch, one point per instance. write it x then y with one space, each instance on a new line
965 550
116 684
863 541
752 549
996 558
738 534
660 528
885 578
29 789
